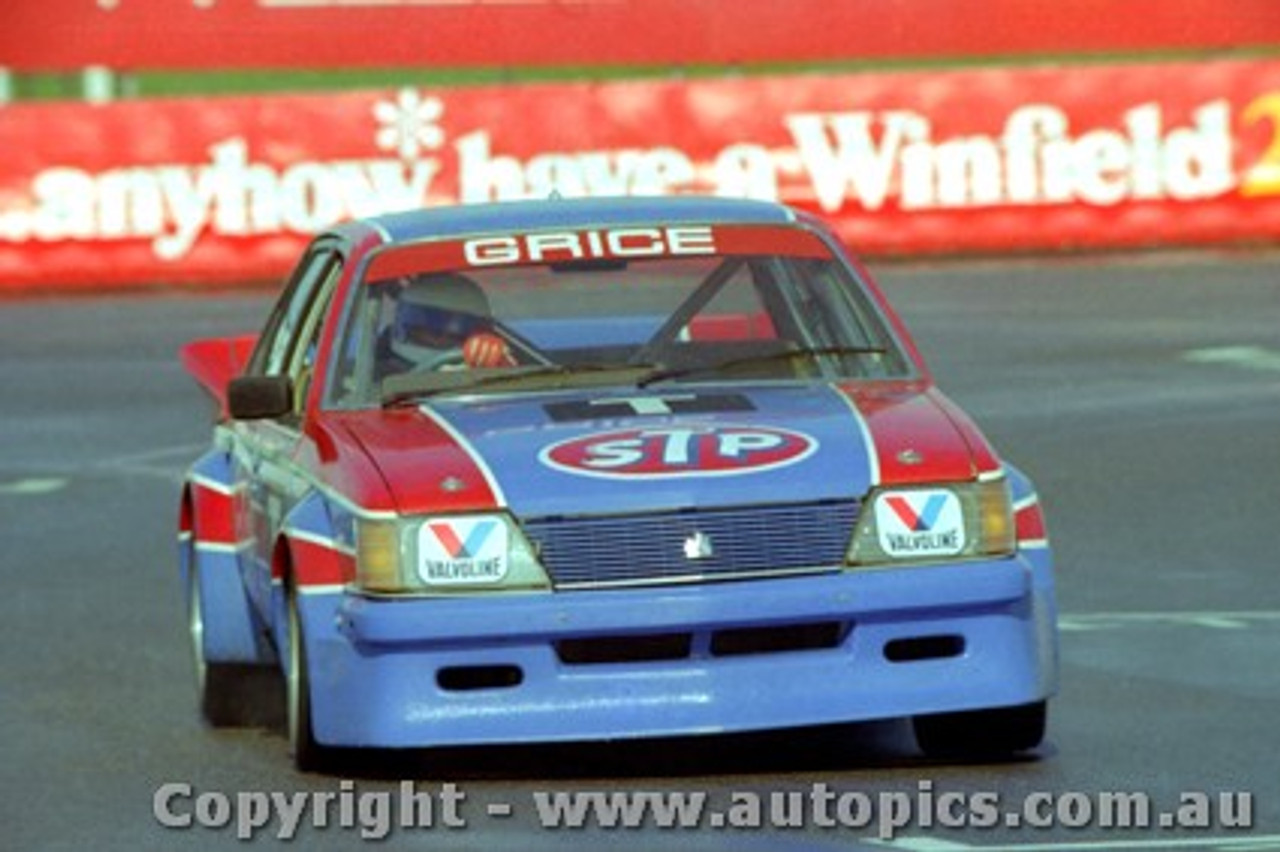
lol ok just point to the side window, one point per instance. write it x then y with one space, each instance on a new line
275 348
831 306
302 354
351 371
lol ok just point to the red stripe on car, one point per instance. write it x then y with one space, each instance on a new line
1029 522
214 514
913 438
319 563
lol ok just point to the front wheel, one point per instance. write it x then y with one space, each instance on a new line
308 755
229 694
982 733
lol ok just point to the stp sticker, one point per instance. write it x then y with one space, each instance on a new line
462 551
675 451
918 523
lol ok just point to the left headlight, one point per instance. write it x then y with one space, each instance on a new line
964 520
447 555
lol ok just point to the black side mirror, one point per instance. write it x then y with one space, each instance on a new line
259 397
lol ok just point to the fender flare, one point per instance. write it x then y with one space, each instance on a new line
1028 513
233 632
313 557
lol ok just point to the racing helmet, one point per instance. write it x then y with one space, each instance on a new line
435 314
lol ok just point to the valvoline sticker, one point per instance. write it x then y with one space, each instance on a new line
462 551
920 523
675 451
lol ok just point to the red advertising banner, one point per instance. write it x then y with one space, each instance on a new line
227 190
60 35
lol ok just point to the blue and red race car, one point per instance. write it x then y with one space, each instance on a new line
594 469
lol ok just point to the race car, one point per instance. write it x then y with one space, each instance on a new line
579 470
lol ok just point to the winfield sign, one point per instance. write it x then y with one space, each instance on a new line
224 190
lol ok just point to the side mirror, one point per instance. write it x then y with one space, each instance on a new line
259 397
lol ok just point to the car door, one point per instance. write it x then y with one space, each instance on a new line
265 450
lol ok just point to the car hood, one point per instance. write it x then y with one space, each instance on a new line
600 452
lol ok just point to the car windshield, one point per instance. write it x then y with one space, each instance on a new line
574 321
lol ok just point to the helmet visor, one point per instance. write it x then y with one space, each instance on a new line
431 327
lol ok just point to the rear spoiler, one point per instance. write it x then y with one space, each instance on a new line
213 362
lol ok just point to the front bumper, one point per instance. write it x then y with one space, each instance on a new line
731 656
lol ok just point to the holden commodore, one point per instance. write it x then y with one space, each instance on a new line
573 470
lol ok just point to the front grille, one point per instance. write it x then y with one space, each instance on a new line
680 546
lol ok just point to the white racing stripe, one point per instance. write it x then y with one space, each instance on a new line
436 417
873 452
212 485
222 547
326 542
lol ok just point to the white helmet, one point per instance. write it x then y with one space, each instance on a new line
434 314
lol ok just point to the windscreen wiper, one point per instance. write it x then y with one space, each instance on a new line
398 391
664 374
401 389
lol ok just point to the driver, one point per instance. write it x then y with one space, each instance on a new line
443 322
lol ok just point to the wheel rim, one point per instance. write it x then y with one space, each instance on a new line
293 678
195 621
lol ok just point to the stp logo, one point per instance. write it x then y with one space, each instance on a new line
674 451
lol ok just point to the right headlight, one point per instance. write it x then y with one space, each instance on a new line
446 555
934 523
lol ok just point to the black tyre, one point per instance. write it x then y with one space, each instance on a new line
230 695
308 755
993 733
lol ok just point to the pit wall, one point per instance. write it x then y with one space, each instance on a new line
224 191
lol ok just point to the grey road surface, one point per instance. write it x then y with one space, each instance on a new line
1142 394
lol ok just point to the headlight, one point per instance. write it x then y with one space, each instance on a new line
446 554
934 524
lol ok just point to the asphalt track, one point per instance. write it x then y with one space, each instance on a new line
1142 394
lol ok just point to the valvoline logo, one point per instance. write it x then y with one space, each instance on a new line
674 451
462 551
920 523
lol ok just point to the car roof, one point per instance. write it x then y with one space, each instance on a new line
532 215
